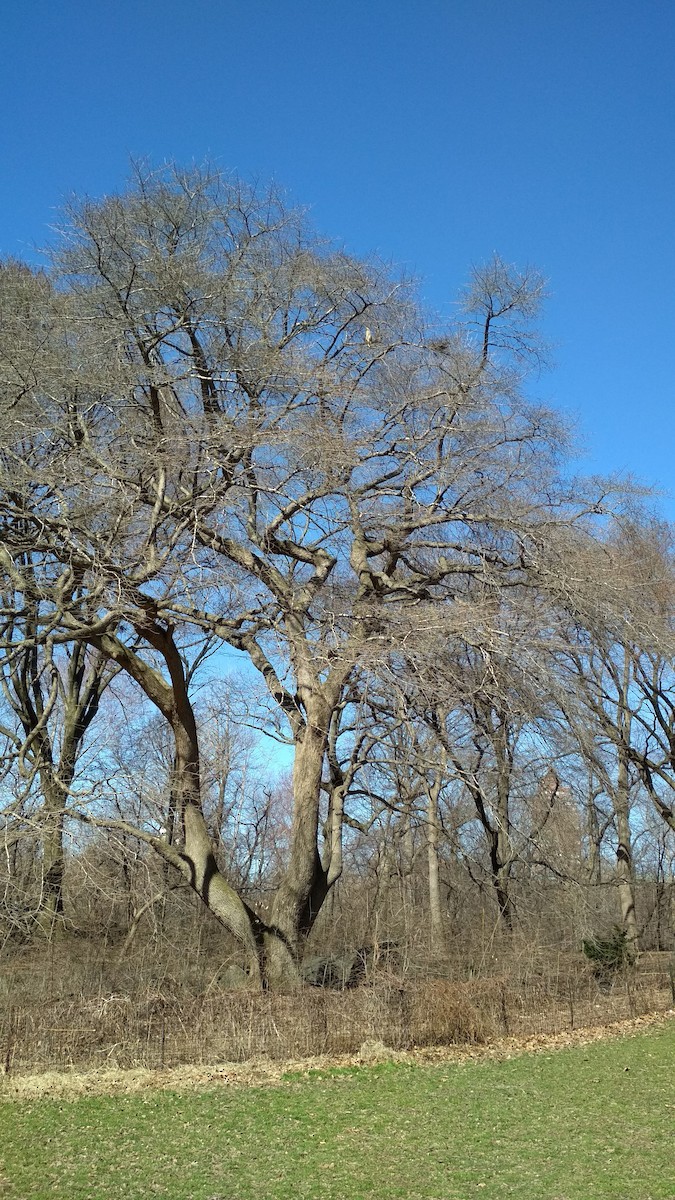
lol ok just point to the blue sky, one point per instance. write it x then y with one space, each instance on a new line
433 133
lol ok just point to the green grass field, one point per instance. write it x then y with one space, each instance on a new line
579 1124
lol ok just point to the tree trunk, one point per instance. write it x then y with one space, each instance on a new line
624 850
594 840
304 886
502 850
56 786
435 907
50 916
273 949
624 873
199 864
501 881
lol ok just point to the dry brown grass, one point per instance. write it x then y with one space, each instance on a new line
70 1085
164 1025
157 1029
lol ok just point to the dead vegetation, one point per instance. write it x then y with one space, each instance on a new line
164 1027
69 1085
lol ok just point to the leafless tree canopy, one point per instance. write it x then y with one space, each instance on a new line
220 430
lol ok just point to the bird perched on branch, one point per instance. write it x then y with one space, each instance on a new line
369 337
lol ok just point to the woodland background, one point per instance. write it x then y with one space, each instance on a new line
322 672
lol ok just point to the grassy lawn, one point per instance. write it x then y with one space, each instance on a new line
580 1124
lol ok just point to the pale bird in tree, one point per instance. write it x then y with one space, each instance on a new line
369 337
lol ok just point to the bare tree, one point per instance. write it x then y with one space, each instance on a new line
215 423
54 694
608 656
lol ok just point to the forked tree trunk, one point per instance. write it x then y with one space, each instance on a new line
273 949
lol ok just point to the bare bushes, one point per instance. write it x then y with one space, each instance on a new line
443 1013
165 1026
158 1029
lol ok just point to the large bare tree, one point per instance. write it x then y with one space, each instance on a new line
216 422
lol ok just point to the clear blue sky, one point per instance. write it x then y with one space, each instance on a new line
433 132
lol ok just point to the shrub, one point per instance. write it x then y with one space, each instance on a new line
608 955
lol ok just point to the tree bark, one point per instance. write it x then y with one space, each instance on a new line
624 850
50 916
500 861
624 860
304 886
436 927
